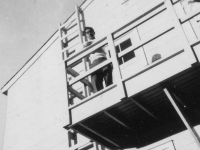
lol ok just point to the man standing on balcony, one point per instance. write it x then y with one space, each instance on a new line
97 57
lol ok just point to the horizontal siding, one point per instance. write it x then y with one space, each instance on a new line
181 141
37 103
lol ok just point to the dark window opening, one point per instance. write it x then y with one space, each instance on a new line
117 48
129 56
124 45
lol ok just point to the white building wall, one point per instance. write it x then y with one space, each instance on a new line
107 16
179 141
37 105
37 101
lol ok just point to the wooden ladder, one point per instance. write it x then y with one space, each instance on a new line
65 53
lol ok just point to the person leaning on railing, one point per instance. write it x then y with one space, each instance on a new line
96 58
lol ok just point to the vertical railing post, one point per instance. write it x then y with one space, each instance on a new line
62 47
190 129
60 37
116 71
195 27
193 21
179 29
84 60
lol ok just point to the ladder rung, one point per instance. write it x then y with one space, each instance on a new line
66 24
67 48
77 94
67 35
75 74
73 96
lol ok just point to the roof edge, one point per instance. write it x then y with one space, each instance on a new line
4 89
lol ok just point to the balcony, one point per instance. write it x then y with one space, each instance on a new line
148 55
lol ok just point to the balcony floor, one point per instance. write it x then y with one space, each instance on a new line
150 118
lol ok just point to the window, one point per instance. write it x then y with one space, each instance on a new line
123 46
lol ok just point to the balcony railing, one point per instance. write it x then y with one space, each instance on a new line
155 37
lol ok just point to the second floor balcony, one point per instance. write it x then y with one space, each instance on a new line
148 55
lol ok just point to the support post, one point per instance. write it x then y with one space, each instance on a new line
190 129
116 71
84 60
63 56
196 27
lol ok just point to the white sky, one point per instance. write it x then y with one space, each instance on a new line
24 27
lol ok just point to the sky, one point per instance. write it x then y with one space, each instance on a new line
24 27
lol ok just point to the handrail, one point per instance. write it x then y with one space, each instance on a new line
190 16
92 96
86 51
102 42
82 53
141 43
78 78
152 65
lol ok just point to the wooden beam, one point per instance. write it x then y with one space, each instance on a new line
177 94
117 70
86 51
142 107
117 120
93 96
67 24
98 134
89 72
191 130
77 94
75 74
143 42
95 145
74 147
90 139
86 146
